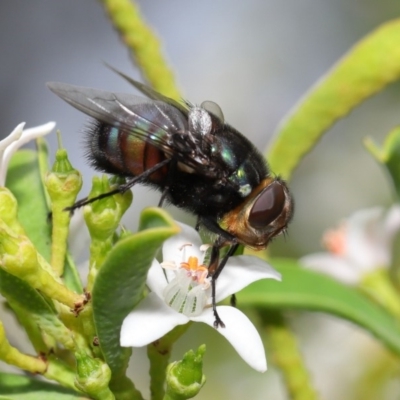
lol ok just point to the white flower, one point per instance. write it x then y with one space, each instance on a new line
155 316
361 244
15 140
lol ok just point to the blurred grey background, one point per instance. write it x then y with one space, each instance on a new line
255 58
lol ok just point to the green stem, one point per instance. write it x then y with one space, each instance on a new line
13 356
124 389
143 44
287 357
159 353
89 328
60 372
367 68
35 334
377 376
378 286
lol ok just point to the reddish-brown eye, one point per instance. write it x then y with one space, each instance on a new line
268 206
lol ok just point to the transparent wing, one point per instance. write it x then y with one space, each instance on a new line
154 121
148 91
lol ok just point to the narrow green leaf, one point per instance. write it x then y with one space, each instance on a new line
18 291
24 181
366 69
121 280
308 290
18 387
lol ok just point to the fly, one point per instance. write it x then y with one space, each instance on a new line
197 161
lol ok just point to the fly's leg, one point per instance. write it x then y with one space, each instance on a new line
120 189
163 196
170 177
221 265
217 268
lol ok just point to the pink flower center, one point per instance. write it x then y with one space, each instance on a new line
334 240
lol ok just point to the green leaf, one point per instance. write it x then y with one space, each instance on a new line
121 280
366 69
308 290
16 291
25 182
388 156
18 387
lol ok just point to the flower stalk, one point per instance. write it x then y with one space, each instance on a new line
159 353
287 357
59 371
11 355
19 257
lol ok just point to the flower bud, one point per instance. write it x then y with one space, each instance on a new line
93 376
102 216
124 200
8 210
63 182
185 378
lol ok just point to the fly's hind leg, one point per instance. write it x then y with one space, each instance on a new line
120 189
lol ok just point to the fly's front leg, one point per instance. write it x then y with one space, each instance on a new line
216 268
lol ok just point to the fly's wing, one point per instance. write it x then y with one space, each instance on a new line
148 91
156 122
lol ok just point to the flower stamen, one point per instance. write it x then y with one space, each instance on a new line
187 292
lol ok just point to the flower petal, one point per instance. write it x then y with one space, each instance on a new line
4 144
172 248
239 272
241 334
27 135
392 223
364 239
156 280
12 137
37 131
149 321
334 266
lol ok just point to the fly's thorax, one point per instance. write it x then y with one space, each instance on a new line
263 214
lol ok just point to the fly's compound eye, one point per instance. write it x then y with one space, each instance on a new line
268 206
